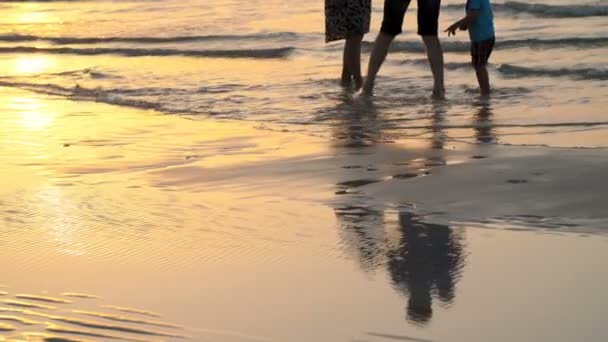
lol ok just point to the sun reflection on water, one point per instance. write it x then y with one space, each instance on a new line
33 14
31 64
33 115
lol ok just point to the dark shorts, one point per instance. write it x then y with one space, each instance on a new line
481 51
428 16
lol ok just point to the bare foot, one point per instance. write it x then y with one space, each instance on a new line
438 94
358 83
345 82
368 88
485 94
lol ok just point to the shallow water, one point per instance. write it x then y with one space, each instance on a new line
265 61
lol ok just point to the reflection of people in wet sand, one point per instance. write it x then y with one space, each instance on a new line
439 137
483 124
427 262
359 231
356 124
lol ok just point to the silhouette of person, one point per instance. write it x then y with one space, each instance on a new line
427 262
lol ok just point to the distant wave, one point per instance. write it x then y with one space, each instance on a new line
84 94
546 11
19 38
576 73
520 71
405 46
463 46
134 52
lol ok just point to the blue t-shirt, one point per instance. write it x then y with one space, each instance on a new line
483 27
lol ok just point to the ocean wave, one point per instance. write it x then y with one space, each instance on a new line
544 10
135 52
575 73
21 38
82 94
521 71
532 43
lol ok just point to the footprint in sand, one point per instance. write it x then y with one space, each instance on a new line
517 181
76 317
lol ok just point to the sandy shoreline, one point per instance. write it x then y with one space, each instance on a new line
242 234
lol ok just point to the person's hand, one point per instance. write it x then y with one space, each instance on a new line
452 29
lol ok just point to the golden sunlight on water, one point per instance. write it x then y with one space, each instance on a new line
59 148
32 64
30 13
33 115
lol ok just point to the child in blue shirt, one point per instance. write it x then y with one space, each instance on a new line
480 23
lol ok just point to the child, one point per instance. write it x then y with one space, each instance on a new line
348 20
480 23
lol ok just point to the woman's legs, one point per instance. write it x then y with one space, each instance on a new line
351 68
346 75
353 57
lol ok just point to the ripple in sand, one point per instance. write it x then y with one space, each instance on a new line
131 310
125 319
79 295
18 319
6 327
98 325
83 329
88 333
2 293
33 336
43 299
27 304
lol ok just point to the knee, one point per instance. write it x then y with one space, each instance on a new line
391 29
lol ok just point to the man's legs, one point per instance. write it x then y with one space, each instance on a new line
394 12
428 27
379 52
435 56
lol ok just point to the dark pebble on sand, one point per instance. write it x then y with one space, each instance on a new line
405 175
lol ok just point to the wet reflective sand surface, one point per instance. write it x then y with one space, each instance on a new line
121 224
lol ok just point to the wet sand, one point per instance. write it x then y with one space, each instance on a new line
130 224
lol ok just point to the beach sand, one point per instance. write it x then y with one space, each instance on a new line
130 224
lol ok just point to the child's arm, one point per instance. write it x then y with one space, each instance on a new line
462 24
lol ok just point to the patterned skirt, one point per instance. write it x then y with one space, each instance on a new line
344 18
